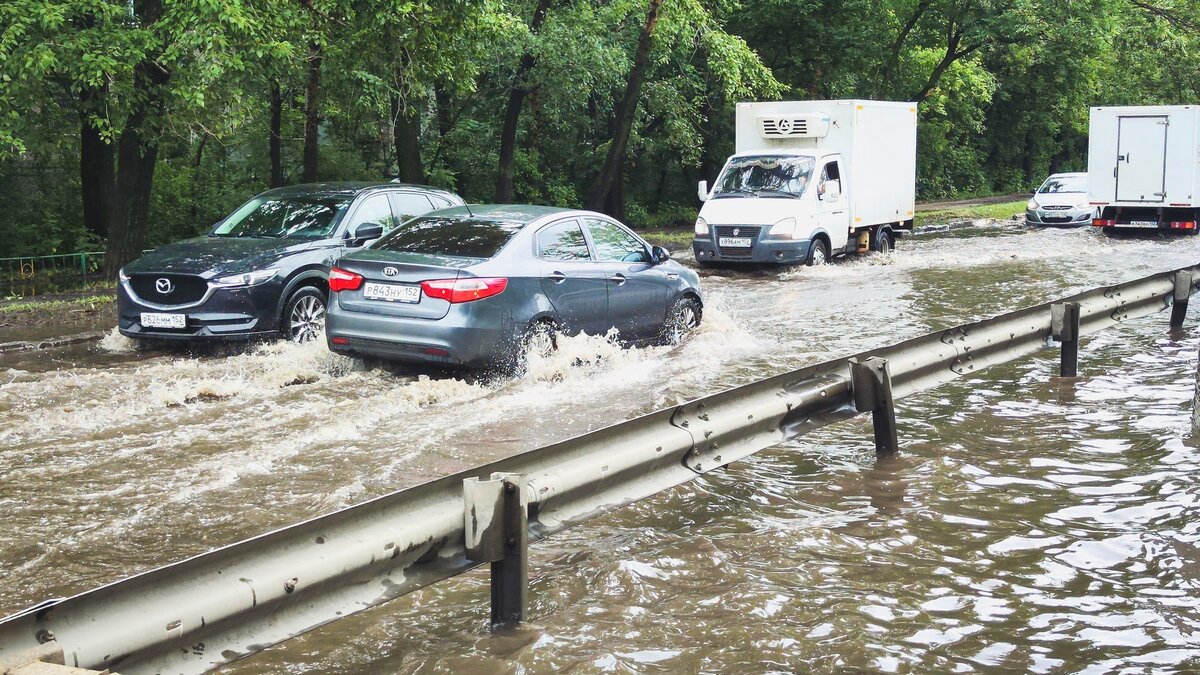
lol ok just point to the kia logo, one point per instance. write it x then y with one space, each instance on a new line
390 271
164 285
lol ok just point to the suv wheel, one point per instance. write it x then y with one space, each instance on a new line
304 316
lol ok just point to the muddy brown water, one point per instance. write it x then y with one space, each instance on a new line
1030 523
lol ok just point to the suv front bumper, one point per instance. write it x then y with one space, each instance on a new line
223 314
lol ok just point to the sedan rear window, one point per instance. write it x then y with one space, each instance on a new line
458 236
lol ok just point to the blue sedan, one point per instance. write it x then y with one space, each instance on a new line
480 286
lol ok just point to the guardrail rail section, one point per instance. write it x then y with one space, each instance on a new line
196 615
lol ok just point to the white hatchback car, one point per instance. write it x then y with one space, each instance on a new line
1061 201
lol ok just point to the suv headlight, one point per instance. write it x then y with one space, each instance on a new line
248 279
121 275
701 227
784 228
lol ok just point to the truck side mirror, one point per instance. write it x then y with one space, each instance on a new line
702 190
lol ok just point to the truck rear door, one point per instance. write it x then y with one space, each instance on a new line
1141 158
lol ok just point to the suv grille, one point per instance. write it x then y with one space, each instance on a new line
184 288
743 231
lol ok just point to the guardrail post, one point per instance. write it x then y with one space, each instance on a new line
495 524
871 379
1183 293
1064 327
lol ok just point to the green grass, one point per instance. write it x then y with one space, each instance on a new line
671 239
29 306
1002 211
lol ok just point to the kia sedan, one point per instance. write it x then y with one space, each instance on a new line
479 286
264 270
1061 201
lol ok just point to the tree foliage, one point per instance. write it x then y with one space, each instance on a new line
128 124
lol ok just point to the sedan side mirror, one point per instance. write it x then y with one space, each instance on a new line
702 190
660 255
368 231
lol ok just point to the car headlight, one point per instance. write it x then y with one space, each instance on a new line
784 228
121 275
1032 205
701 227
248 279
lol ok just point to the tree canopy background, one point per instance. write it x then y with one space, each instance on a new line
129 123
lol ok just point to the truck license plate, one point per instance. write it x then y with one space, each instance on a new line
1143 223
735 242
392 292
155 320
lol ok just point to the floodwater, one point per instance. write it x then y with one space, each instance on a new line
1030 524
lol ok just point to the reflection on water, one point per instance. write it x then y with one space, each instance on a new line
1030 524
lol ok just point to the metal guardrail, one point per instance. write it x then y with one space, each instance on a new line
201 613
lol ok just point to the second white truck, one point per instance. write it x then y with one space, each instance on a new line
1144 167
811 180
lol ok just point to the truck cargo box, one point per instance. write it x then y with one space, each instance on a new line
877 141
1144 156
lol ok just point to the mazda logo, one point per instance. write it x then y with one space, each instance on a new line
390 271
164 285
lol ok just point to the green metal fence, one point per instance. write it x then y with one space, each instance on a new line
33 275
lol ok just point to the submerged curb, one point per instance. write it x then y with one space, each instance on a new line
51 343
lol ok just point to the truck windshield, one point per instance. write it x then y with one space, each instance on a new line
766 174
301 217
1064 184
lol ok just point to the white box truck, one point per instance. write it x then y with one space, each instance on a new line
1144 167
811 180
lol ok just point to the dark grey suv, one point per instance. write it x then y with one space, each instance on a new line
479 285
264 269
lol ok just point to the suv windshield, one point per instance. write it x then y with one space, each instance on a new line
770 173
301 217
1064 184
456 236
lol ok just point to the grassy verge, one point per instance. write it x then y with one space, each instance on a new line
53 304
1001 211
672 239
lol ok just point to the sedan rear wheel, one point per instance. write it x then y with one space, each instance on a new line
304 318
683 319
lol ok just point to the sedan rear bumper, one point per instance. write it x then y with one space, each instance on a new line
471 334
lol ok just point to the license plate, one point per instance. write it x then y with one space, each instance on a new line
735 242
1143 223
151 320
391 292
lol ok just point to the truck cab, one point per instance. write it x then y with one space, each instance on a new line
774 207
810 180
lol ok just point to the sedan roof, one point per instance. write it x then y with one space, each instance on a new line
345 188
520 213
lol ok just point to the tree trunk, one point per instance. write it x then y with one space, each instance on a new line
275 139
603 194
312 113
512 112
97 171
406 123
898 44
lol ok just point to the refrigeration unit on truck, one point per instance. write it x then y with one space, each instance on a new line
811 180
1144 167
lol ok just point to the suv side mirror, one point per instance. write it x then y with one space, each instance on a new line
660 255
702 190
368 231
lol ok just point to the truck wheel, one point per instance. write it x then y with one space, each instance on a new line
818 253
884 242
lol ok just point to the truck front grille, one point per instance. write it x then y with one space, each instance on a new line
741 231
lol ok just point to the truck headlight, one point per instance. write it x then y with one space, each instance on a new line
785 228
701 227
248 279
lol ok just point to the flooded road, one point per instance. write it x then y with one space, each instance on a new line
1030 523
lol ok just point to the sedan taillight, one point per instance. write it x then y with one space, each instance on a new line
464 290
343 280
